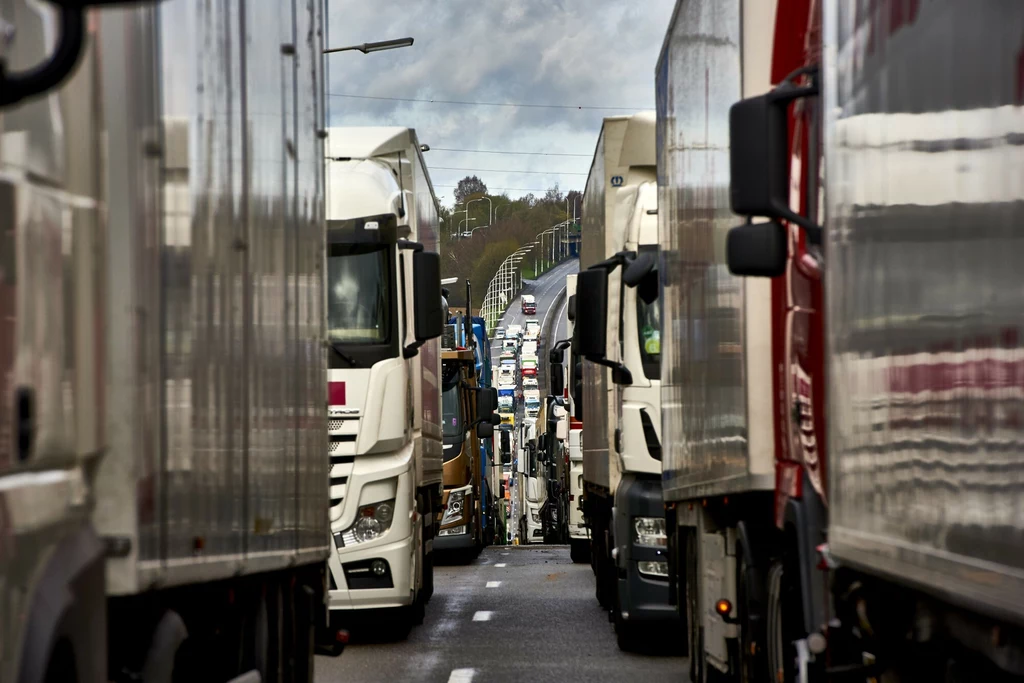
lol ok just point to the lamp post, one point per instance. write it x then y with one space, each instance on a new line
490 209
379 46
503 206
464 220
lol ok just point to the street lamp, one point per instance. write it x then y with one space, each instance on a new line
464 220
490 208
367 48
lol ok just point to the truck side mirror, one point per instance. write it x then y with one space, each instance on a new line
556 373
486 402
757 249
570 310
485 430
428 313
591 325
759 179
506 448
758 157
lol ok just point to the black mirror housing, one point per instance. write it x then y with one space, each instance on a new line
495 419
485 430
557 381
591 325
486 403
757 250
428 303
758 159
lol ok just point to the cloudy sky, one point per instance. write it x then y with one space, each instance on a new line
571 53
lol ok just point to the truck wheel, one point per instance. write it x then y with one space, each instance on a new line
579 551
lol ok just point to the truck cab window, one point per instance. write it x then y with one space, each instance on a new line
452 416
648 323
359 308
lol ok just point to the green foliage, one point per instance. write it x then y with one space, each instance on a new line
516 222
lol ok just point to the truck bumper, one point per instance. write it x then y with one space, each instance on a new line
643 597
355 586
461 541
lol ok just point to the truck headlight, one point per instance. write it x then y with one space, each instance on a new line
649 532
653 568
456 505
536 516
372 522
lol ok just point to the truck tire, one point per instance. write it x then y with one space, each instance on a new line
579 551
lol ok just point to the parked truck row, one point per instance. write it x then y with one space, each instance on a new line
813 242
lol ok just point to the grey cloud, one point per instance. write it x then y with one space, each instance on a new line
579 52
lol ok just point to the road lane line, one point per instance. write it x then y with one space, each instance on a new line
461 675
493 584
482 616
500 564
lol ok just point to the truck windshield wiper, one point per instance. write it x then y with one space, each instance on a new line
347 358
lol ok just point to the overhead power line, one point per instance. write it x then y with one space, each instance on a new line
508 189
495 151
500 170
489 104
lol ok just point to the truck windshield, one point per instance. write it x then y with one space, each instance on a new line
648 321
451 410
359 294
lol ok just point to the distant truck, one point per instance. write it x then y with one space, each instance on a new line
467 411
531 485
579 540
531 402
532 330
529 365
528 304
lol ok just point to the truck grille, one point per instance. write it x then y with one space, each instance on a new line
343 434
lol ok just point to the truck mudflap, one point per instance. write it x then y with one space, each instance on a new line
806 518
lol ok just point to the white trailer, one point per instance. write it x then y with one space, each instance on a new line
162 470
383 323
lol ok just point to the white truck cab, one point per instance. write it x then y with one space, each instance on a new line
382 278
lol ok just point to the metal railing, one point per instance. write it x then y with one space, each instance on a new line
549 249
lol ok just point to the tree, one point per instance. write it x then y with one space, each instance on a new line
467 187
554 195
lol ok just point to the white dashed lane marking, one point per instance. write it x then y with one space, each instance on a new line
482 616
493 584
461 675
500 564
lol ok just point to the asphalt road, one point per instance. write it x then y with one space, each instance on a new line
520 614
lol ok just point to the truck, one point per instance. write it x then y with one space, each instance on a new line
531 402
845 377
163 479
515 333
530 485
617 330
467 412
532 330
529 365
490 466
384 319
528 304
506 398
579 541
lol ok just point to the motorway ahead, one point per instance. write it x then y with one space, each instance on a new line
522 614
545 289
